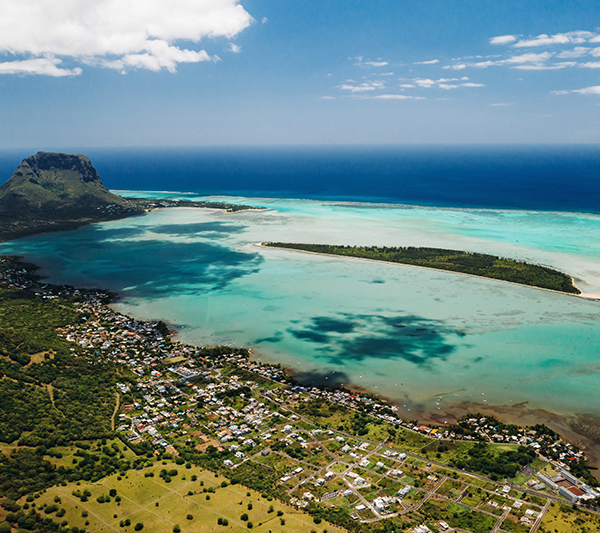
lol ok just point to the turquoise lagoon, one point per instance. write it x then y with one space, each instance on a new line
427 339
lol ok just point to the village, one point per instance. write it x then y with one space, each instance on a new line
334 448
251 412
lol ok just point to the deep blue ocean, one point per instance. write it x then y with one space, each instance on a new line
549 178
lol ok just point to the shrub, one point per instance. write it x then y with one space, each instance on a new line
189 517
249 525
249 507
139 526
244 517
176 528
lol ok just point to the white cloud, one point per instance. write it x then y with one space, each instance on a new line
363 87
588 90
432 62
460 66
595 52
231 47
327 98
377 63
530 58
576 37
592 64
397 97
500 104
578 51
557 66
441 83
264 20
503 39
424 82
120 34
42 65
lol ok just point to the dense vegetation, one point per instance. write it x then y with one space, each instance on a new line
487 266
497 465
49 395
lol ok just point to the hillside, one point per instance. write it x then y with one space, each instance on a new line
55 192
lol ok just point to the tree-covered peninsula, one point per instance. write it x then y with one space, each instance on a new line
484 265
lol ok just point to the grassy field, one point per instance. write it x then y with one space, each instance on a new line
562 519
195 506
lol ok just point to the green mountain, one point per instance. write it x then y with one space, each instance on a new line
57 192
53 192
57 186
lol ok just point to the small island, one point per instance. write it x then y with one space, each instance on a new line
475 264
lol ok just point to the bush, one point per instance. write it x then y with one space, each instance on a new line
223 484
317 520
280 513
249 507
249 525
282 521
244 517
176 528
189 517
139 526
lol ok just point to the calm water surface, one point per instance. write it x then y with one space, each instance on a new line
424 338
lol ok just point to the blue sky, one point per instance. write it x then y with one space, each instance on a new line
77 73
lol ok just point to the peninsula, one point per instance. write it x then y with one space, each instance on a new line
475 264
56 192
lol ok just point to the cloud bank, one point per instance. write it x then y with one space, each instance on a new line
120 34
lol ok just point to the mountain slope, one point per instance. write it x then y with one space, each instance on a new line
56 187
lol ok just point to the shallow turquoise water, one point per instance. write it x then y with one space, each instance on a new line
422 337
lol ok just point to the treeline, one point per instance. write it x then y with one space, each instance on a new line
487 266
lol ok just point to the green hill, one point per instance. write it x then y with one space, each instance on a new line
61 186
56 192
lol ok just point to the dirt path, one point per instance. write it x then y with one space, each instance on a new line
50 389
112 418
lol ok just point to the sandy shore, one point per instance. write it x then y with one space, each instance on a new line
589 295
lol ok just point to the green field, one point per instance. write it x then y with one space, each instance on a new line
195 506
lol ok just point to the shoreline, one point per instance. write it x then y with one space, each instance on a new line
587 296
518 414
356 201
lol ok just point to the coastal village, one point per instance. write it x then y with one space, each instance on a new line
330 448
